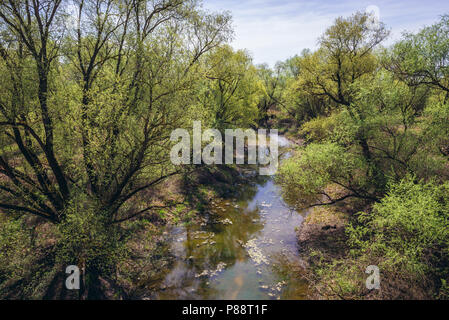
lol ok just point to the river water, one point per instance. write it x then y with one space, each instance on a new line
247 250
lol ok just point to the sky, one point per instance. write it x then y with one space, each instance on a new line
274 30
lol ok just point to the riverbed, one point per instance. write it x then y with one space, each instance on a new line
246 249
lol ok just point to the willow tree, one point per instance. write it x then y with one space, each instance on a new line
230 90
344 56
422 59
92 91
332 78
298 103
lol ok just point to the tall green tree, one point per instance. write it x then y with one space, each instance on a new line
422 58
230 90
88 106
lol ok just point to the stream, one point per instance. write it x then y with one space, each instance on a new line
248 251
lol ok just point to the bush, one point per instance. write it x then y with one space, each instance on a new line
334 128
88 239
407 236
305 176
15 248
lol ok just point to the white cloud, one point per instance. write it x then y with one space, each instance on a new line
275 30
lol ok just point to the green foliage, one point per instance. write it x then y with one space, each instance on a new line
338 127
87 240
407 228
92 111
277 84
436 126
444 291
344 56
298 101
388 122
86 113
323 82
86 117
230 90
421 59
392 128
406 236
306 175
15 249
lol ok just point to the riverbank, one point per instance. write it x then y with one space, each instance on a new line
322 239
336 264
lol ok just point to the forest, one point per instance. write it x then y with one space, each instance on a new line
90 93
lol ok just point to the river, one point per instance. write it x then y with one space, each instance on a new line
247 250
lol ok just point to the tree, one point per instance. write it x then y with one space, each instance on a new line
345 55
383 144
275 82
230 89
86 113
422 58
376 122
298 102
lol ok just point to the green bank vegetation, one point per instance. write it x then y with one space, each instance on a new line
375 122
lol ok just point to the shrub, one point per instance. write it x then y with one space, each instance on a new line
305 176
88 239
406 235
15 248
